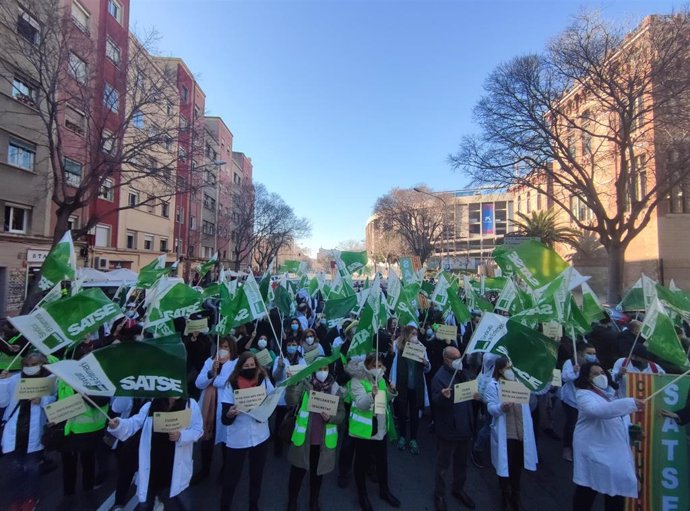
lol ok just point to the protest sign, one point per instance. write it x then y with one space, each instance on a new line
447 332
414 351
65 409
168 422
514 392
464 391
552 330
320 402
310 356
247 399
30 388
264 358
557 381
196 325
380 403
293 369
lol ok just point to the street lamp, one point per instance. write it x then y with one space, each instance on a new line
445 208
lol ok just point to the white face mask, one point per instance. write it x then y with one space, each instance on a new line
309 340
321 376
376 372
262 344
509 375
31 370
457 364
601 381
223 353
414 339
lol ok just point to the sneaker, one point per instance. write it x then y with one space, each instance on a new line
414 447
568 454
477 459
402 443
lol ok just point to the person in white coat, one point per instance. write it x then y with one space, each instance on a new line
638 363
512 437
24 420
602 460
165 459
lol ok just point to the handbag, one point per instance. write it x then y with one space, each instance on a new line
53 437
287 426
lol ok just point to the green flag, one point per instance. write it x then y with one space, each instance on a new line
661 336
59 324
533 262
289 266
284 300
354 261
152 273
591 307
312 368
60 264
247 305
173 299
633 300
204 268
339 307
146 369
407 270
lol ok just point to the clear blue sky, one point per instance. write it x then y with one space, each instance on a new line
336 102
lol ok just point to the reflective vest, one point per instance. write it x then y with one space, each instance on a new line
299 434
89 421
361 423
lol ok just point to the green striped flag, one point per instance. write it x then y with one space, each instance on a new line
60 264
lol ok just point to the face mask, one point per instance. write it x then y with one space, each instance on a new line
457 364
309 340
376 372
639 364
294 328
591 358
601 381
223 353
321 376
414 339
233 331
248 373
509 375
31 370
292 350
429 333
262 344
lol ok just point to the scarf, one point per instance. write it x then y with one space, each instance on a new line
244 383
324 387
208 411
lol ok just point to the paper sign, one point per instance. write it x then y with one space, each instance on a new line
514 392
167 422
553 330
464 391
414 351
264 411
310 356
447 332
320 402
556 380
65 409
30 388
294 369
380 403
196 325
246 399
264 357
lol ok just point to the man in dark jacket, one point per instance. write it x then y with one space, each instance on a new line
454 428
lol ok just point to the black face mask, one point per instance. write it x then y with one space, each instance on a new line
639 364
248 373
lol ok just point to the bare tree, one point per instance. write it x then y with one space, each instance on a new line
351 245
387 248
597 122
417 218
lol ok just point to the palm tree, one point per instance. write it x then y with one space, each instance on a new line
545 226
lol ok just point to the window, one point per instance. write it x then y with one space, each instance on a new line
167 142
131 240
132 199
111 97
528 202
75 120
679 195
149 203
179 215
579 209
138 119
183 123
236 179
182 154
196 112
106 190
637 114
28 27
184 94
72 172
115 10
102 235
168 108
21 154
210 178
164 245
538 201
16 219
80 16
23 91
638 179
77 67
108 143
208 227
519 203
209 202
73 222
165 210
112 51
148 242
192 222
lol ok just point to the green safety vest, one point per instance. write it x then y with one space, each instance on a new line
361 423
299 434
89 421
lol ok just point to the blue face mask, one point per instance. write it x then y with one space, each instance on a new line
291 350
591 358
294 328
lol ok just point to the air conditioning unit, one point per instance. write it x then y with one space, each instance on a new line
102 263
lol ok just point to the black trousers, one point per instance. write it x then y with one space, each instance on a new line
69 470
516 462
127 456
347 454
569 425
456 451
297 476
583 500
234 463
279 415
405 410
366 452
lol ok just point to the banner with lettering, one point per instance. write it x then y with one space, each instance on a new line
661 457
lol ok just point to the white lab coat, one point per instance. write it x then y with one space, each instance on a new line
602 459
183 465
245 431
394 372
37 419
568 375
499 439
202 383
651 368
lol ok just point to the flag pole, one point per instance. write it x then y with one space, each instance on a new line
107 417
667 385
17 356
627 360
